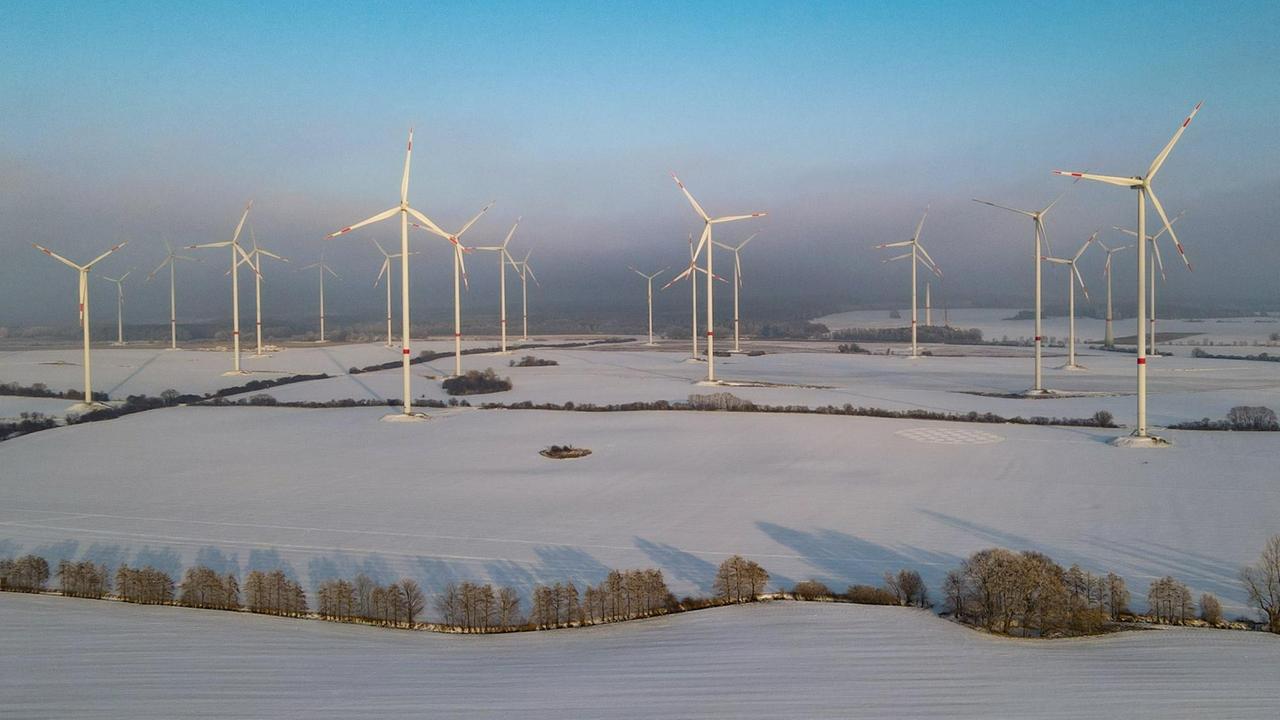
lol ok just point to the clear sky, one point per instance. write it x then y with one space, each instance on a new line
139 121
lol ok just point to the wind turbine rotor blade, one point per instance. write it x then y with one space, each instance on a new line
1155 248
511 233
1055 200
248 260
83 293
903 243
529 269
732 218
222 244
473 220
1085 246
55 256
1169 227
1109 179
386 262
903 256
925 253
1080 279
737 268
1003 207
331 272
379 246
376 218
404 179
696 207
94 261
462 264
920 225
1164 154
1056 260
240 225
679 277
702 241
1044 236
1126 231
1172 222
428 224
1106 266
159 267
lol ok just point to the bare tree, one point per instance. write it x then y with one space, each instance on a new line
908 587
1210 609
414 600
1262 583
739 580
508 608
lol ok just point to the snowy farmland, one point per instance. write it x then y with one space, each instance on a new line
75 657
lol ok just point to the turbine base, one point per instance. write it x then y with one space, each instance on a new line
81 408
401 417
236 373
1141 442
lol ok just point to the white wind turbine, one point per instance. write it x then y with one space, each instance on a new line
928 304
503 257
1071 303
237 256
690 272
737 282
1159 263
1142 184
322 270
1041 249
255 260
404 211
526 272
171 259
385 269
83 270
459 276
1110 340
119 305
649 283
918 255
707 241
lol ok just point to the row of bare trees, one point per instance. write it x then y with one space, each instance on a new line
202 587
28 573
397 604
145 585
83 579
274 593
472 607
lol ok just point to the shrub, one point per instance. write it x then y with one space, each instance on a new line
869 595
1210 609
531 361
475 382
1104 419
853 348
811 590
564 452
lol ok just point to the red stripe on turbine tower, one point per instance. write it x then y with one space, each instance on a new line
406 351
1142 361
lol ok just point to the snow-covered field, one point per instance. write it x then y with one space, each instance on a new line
466 496
1182 388
72 658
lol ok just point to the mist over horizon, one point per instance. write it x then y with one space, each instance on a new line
144 125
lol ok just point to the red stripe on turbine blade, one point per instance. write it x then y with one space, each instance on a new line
1187 121
345 229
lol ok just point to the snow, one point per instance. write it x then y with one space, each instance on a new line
465 495
71 658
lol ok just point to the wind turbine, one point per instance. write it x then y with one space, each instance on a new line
1159 263
737 281
257 254
386 270
1110 340
707 241
503 257
119 305
404 211
1041 249
918 255
171 259
928 304
237 255
525 272
459 274
323 269
83 271
1071 304
649 282
689 272
1142 184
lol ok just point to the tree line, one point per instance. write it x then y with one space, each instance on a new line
1002 591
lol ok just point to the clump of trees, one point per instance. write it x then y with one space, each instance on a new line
27 422
83 579
719 401
1029 594
908 588
531 361
475 382
852 348
202 587
870 595
924 333
1262 583
274 593
811 590
739 580
1260 357
1170 601
626 595
1243 418
146 585
28 573
41 390
564 452
475 608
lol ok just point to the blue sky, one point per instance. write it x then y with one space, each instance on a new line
135 120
